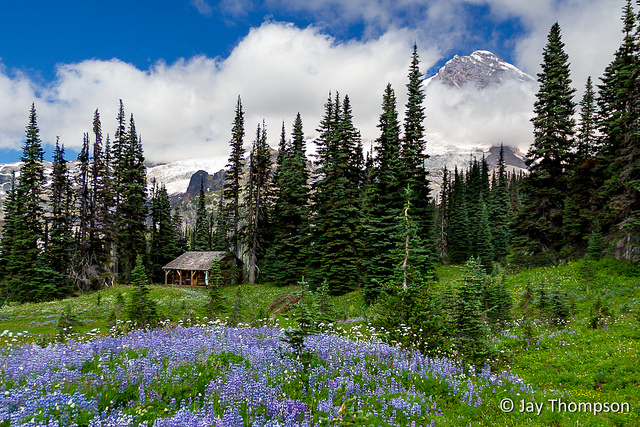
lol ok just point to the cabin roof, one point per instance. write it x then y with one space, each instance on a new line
197 260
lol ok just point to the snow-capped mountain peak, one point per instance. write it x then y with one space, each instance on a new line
482 68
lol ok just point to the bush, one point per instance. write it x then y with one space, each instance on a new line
141 310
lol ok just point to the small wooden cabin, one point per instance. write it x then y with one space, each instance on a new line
192 268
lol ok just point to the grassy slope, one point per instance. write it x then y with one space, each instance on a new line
573 362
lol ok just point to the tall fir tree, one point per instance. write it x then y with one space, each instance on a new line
459 243
100 199
337 245
387 201
164 245
256 201
484 239
549 158
24 262
59 249
232 185
200 234
132 210
413 156
9 228
580 205
500 210
286 257
442 223
619 156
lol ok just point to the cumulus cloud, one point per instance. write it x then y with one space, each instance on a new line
186 109
471 117
591 31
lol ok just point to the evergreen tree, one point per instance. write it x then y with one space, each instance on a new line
484 247
9 229
338 201
580 203
619 156
413 157
141 309
586 137
468 318
257 202
286 257
458 230
100 199
59 247
500 211
232 187
164 239
545 188
442 216
82 209
410 248
200 234
132 210
386 202
220 238
26 234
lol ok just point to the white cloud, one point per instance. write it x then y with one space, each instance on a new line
186 109
591 31
472 117
203 7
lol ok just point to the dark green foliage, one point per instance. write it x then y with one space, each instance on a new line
67 321
410 251
471 338
286 257
442 216
619 157
200 236
580 205
413 317
164 245
595 248
336 255
220 239
132 209
599 313
256 203
497 303
216 304
500 211
306 324
382 228
141 308
59 248
459 235
101 200
232 186
22 258
483 246
236 316
540 221
559 307
413 158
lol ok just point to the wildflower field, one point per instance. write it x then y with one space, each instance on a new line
201 372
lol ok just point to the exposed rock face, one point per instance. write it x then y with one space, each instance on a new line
482 68
211 183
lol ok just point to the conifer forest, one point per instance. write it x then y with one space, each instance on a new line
429 299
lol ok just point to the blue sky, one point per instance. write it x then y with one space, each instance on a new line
179 65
